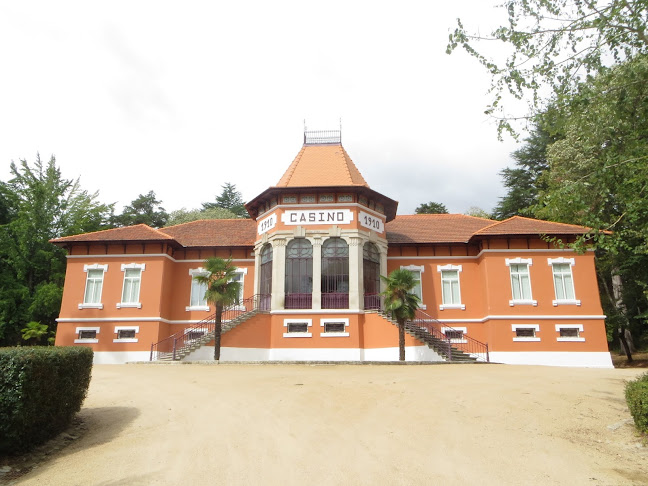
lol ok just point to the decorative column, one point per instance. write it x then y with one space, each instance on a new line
257 267
383 265
278 274
356 292
317 273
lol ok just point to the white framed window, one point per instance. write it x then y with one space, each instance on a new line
417 271
240 278
197 300
563 281
126 334
525 332
450 289
132 283
94 286
334 327
520 281
569 332
87 335
297 328
455 334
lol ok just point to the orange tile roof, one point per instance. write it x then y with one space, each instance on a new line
214 233
434 228
139 232
322 165
518 225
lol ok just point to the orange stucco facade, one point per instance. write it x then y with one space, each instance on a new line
500 284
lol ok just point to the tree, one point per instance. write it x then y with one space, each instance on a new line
432 208
222 291
39 204
400 302
477 212
523 183
145 209
229 199
555 44
183 215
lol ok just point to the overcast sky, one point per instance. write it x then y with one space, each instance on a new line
180 97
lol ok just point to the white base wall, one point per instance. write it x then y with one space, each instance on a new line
553 358
412 353
120 357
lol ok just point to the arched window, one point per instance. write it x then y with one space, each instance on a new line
371 276
265 277
335 274
299 274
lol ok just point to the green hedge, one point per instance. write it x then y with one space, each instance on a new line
41 388
636 393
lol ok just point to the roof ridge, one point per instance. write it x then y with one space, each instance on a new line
205 219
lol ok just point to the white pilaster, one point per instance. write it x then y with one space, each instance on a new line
355 274
317 272
278 273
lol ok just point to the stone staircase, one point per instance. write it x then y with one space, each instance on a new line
440 346
191 345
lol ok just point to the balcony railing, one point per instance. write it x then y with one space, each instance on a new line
299 301
372 301
335 300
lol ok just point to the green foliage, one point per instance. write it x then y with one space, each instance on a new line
400 302
555 44
34 331
222 291
478 212
36 205
523 183
636 393
432 208
40 391
185 216
145 209
231 200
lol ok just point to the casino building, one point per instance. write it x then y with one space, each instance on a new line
309 263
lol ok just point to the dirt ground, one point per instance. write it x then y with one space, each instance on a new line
351 425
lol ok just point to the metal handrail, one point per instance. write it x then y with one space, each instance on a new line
176 344
467 344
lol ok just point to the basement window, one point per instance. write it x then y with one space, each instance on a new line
569 332
526 332
455 334
87 335
126 334
334 327
297 327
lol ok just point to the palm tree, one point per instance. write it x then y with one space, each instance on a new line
221 291
400 302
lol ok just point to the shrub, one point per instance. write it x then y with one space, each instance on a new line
41 388
636 393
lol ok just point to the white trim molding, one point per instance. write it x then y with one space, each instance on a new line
579 338
535 327
93 340
458 269
308 322
328 320
126 328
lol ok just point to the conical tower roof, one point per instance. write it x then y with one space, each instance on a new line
320 166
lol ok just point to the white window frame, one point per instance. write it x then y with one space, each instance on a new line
420 269
326 320
451 268
579 339
242 272
297 334
81 341
464 330
126 328
194 272
572 262
93 305
535 327
529 263
132 266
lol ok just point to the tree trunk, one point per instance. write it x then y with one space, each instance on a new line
401 340
617 290
625 347
217 331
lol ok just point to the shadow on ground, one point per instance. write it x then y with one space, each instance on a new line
89 428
